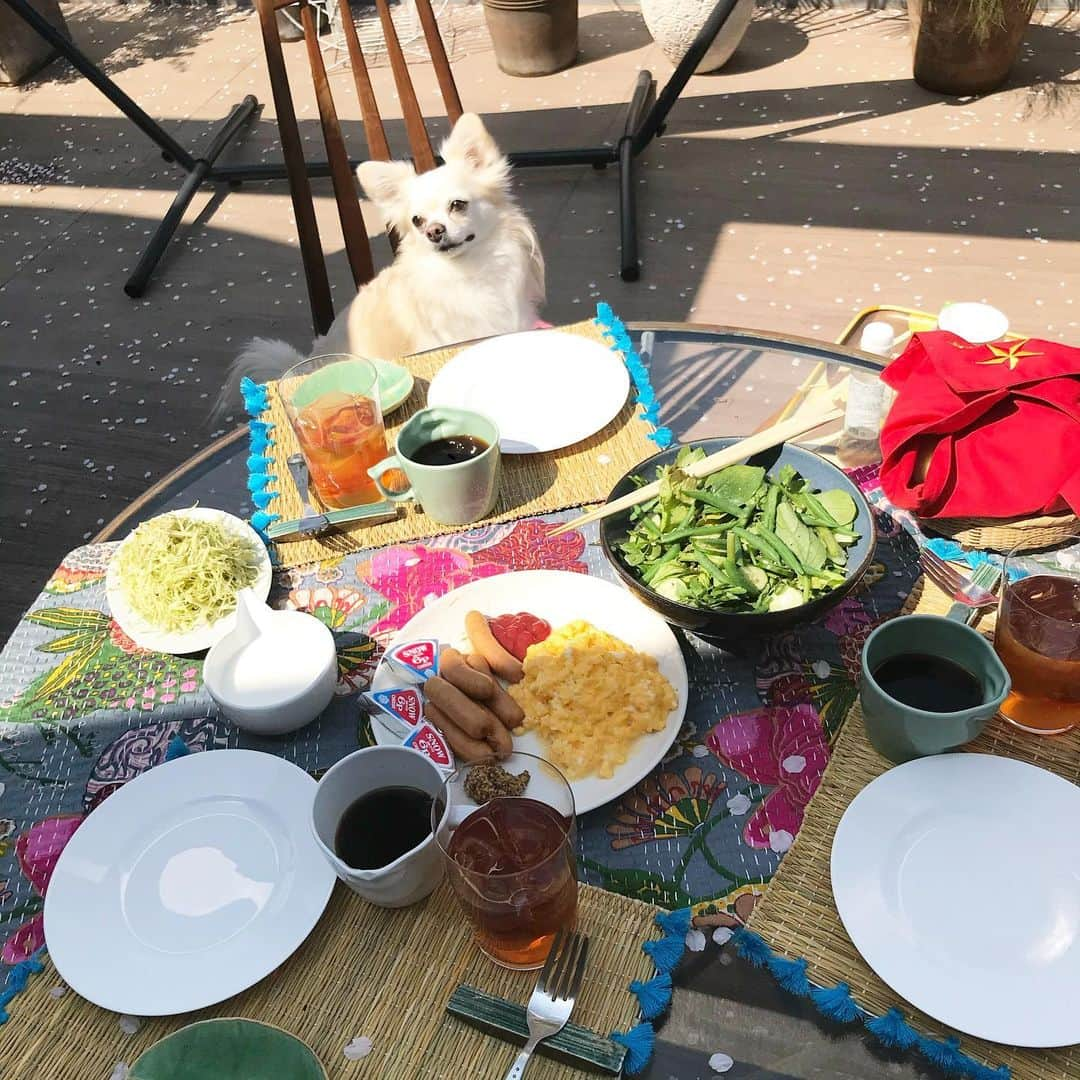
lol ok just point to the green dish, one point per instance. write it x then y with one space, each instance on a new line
395 384
231 1049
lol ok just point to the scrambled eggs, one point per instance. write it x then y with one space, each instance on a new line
590 695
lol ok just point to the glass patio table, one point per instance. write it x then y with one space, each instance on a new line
711 381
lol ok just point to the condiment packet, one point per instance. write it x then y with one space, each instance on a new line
402 709
431 744
417 661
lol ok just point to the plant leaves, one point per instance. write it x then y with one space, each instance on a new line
69 618
737 483
840 504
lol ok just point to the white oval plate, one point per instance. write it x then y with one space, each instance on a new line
188 884
958 879
149 636
560 597
544 389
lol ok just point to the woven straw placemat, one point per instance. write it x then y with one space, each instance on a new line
363 971
797 915
530 484
987 534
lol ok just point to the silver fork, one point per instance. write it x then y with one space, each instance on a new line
553 998
955 585
986 575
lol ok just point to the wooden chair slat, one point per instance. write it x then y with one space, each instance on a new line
353 229
292 149
378 145
439 61
415 128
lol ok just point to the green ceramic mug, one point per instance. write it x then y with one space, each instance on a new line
901 732
451 494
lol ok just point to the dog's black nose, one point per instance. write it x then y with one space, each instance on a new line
435 232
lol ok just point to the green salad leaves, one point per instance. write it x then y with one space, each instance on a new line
738 540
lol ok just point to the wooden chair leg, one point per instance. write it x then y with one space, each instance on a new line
341 176
415 129
318 283
439 61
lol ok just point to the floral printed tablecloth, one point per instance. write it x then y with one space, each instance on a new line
83 710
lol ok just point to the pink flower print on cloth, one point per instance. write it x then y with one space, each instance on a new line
38 850
778 745
412 576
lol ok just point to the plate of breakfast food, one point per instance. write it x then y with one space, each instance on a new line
543 388
567 667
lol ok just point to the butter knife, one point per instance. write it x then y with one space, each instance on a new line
314 523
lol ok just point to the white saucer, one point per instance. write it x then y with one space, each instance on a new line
188 884
957 878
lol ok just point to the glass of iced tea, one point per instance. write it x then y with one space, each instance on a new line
1038 638
333 405
506 829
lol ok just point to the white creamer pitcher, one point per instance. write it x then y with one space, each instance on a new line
411 876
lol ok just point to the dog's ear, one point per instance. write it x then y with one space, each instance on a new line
470 144
385 183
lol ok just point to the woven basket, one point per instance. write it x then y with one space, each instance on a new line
1005 534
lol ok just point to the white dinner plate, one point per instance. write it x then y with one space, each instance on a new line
188 884
560 597
148 636
544 389
958 879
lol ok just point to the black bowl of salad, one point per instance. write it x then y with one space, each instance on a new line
752 549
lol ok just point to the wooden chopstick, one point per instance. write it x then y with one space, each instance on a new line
744 448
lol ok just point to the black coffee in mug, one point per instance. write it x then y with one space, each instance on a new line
449 451
381 826
930 683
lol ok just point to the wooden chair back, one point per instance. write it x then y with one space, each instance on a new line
346 196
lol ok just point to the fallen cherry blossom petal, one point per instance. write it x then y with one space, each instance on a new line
695 941
722 935
780 840
721 1063
130 1024
58 991
739 804
120 1072
795 764
359 1048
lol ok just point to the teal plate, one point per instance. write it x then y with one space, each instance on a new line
395 384
228 1050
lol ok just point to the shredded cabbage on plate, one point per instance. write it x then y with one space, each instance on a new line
179 572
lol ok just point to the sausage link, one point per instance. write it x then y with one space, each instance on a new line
477 685
501 662
470 716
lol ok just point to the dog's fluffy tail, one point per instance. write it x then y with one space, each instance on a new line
262 359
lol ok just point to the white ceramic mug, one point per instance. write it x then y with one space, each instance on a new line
411 876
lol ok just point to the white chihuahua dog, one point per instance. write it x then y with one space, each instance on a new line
468 265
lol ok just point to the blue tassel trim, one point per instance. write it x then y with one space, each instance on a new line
261 482
176 748
614 330
654 996
256 399
665 952
639 1042
674 922
18 976
791 975
893 1030
837 1004
752 948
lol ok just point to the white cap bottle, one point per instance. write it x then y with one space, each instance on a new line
868 401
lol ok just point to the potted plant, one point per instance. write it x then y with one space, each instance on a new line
966 47
533 37
675 23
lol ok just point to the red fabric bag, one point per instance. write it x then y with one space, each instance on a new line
983 430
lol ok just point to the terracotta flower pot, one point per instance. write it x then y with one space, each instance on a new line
950 57
533 37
